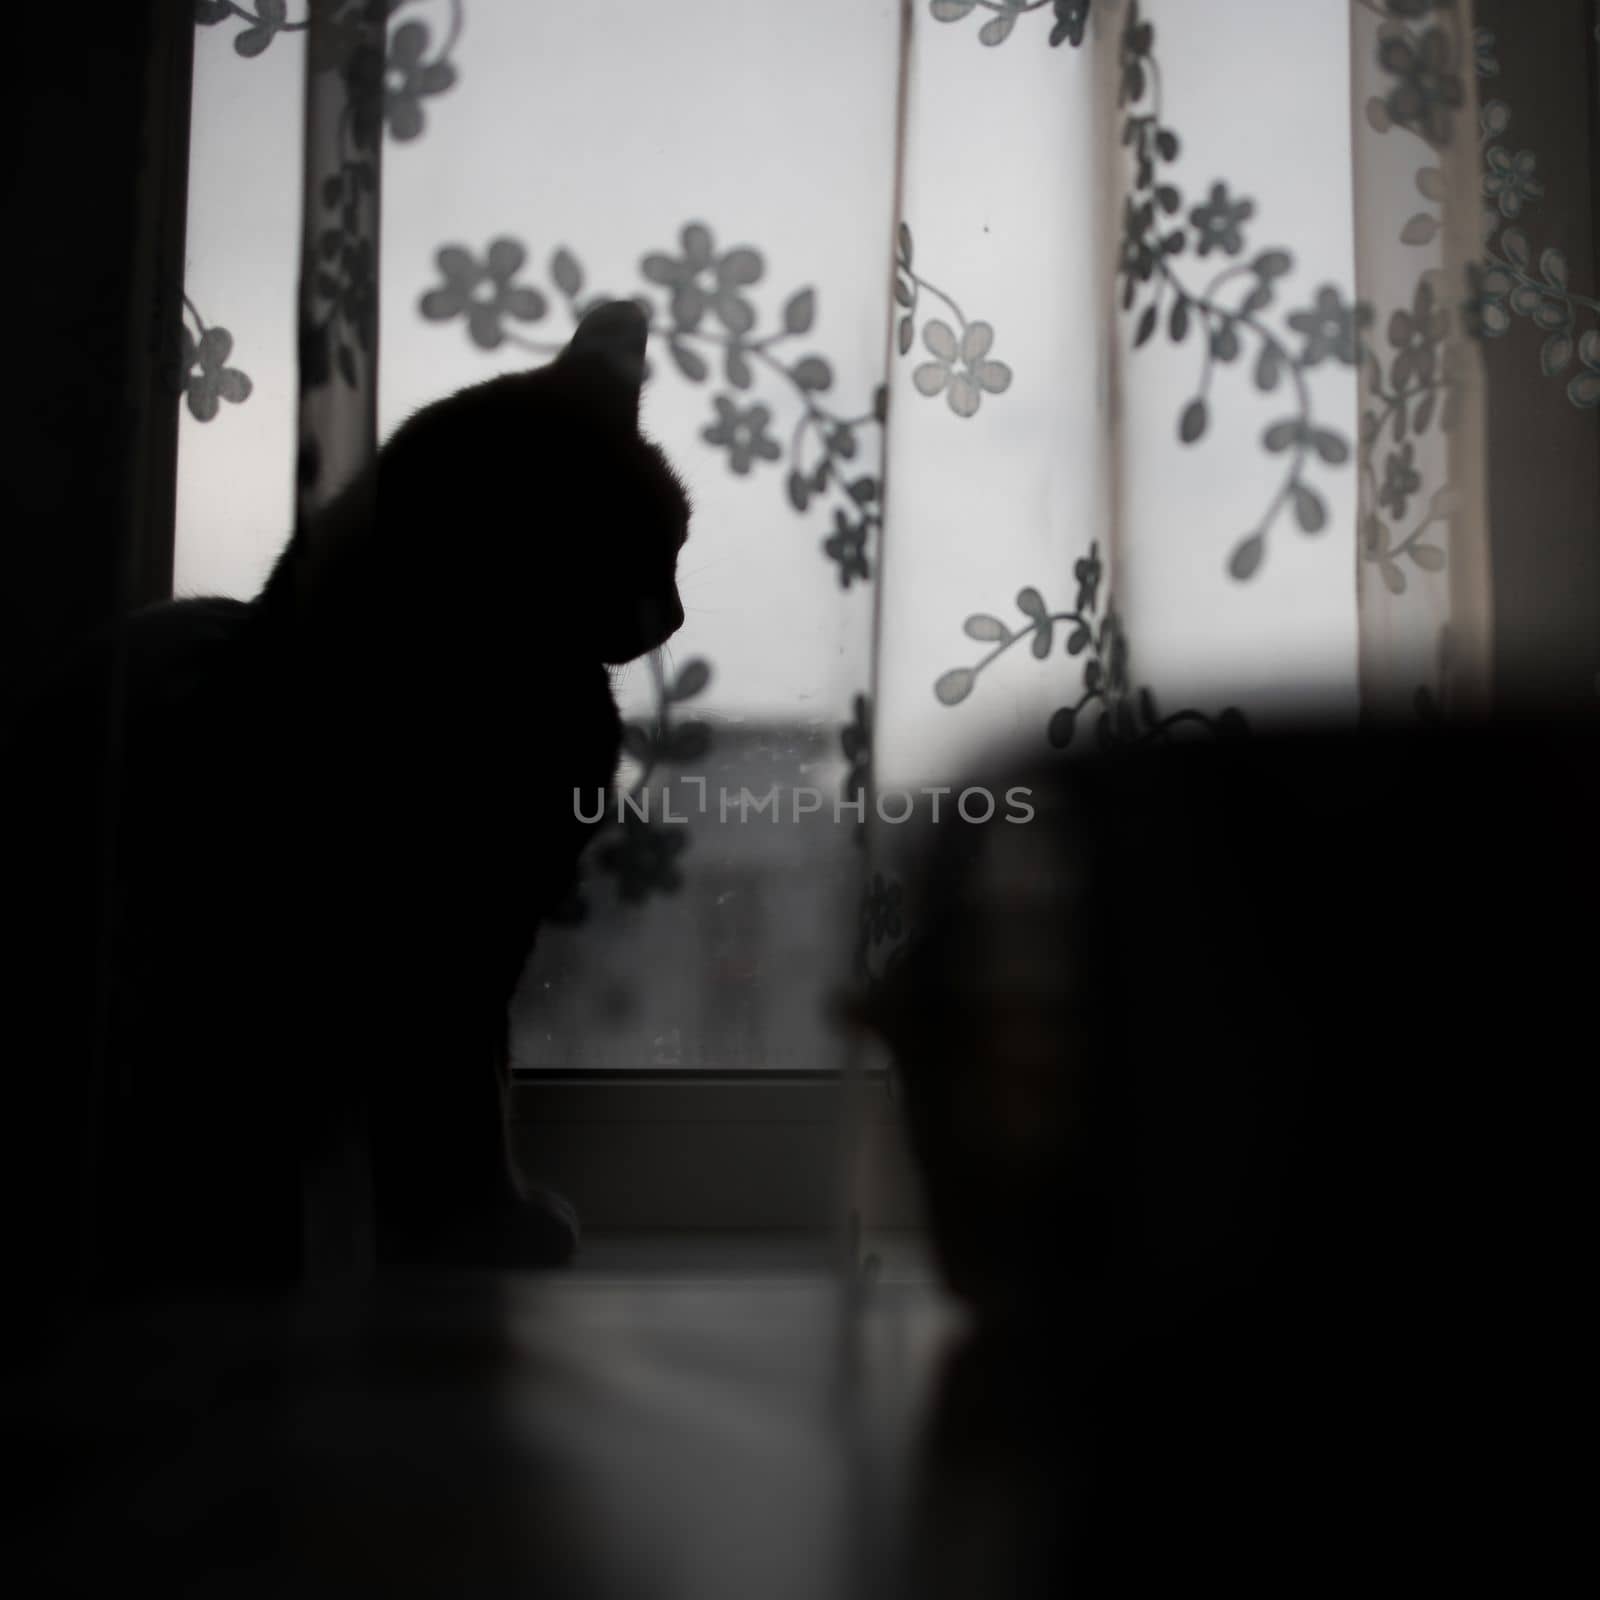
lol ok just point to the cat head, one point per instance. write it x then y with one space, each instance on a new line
541 494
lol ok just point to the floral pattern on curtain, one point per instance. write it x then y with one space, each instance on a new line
1169 438
1424 573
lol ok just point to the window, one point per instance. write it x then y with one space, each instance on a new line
685 1013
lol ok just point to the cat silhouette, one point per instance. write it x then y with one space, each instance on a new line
278 864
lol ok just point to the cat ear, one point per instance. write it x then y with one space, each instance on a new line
609 344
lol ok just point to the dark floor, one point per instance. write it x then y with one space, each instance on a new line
688 1418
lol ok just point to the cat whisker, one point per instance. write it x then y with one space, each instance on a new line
704 567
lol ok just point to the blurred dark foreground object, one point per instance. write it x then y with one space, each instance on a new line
1250 1087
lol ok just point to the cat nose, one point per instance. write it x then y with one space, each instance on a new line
659 620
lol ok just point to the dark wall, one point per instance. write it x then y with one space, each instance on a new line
95 178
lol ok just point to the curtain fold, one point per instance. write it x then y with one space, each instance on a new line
341 194
1423 568
1233 341
340 240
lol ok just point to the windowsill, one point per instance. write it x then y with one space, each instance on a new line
767 1255
720 1154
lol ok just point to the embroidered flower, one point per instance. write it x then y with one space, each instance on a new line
743 432
483 291
1417 335
1331 327
1510 179
1220 222
700 279
206 377
408 78
847 545
1429 90
960 370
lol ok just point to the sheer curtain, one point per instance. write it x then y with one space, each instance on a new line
1050 371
